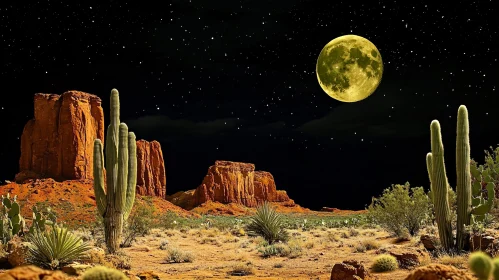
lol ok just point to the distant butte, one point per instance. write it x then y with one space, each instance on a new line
230 182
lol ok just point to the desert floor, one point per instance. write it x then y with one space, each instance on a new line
222 255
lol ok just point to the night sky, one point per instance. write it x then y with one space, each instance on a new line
235 80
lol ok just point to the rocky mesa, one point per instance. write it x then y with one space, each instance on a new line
230 182
58 143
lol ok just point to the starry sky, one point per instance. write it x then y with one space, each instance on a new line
235 80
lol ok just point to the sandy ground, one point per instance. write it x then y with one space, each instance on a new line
216 254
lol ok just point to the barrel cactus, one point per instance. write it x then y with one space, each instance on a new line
115 202
103 273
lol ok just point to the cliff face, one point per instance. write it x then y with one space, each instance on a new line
233 182
151 175
58 142
228 182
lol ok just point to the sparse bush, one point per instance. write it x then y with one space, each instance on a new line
370 244
163 245
268 224
384 263
139 223
291 250
401 209
55 247
169 220
119 260
242 270
175 255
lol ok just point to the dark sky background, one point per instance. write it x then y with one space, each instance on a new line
235 80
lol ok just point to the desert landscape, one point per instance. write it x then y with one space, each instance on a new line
57 223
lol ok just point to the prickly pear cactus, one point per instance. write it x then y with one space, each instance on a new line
482 199
40 220
12 221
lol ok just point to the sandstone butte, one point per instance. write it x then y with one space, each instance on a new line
231 184
58 143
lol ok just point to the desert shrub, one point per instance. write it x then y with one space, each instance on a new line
242 270
139 223
119 260
168 220
163 245
384 263
175 255
55 247
291 250
267 223
401 209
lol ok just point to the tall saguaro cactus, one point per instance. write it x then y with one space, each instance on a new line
463 183
116 200
471 202
439 185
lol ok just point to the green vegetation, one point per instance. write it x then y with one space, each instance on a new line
384 263
12 221
267 223
116 204
139 223
483 266
472 203
103 273
401 210
55 247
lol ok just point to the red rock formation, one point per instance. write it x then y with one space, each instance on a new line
228 182
151 175
58 142
233 182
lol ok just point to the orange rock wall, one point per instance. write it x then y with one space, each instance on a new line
151 175
58 142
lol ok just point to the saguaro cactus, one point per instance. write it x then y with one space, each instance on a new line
463 186
115 202
439 185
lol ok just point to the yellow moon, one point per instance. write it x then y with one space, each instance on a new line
349 68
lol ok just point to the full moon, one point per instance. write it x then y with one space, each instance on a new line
349 68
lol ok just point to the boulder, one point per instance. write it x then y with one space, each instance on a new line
58 142
429 242
151 175
350 270
481 242
438 272
31 272
18 252
409 258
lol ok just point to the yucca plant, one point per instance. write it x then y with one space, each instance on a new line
268 224
54 248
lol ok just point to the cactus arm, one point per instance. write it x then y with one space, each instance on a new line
429 159
121 190
463 171
100 194
132 174
440 187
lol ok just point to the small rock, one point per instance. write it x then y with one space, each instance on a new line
75 268
32 272
481 242
350 270
428 242
409 258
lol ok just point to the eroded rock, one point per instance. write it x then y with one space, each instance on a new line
438 272
58 142
350 270
151 175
